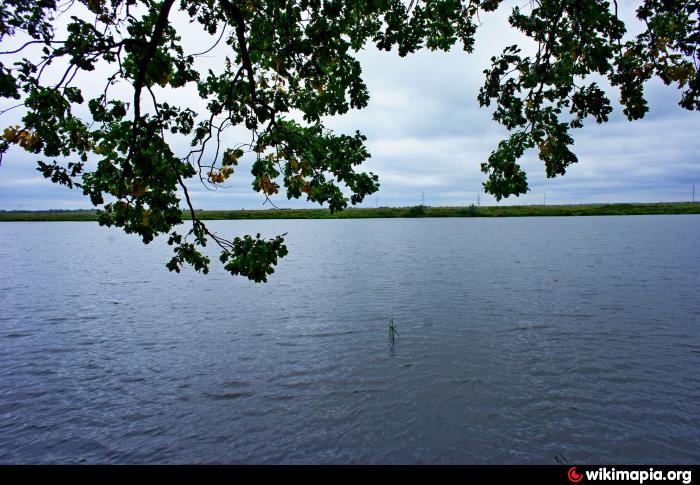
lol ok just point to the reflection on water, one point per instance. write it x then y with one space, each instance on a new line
522 341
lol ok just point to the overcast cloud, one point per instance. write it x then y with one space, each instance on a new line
427 135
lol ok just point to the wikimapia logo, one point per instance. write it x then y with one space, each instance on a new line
574 477
639 476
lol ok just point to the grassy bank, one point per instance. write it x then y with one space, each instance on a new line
417 211
54 215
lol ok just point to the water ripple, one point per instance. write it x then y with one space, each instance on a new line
520 341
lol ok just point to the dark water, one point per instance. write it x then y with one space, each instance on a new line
521 341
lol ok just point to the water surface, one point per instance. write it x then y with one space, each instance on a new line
521 341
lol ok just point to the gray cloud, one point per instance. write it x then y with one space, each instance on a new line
427 134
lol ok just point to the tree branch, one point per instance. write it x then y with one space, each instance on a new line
236 15
158 30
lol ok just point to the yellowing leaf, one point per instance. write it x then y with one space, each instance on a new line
24 138
216 176
267 186
10 133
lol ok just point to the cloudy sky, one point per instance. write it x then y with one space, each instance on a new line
427 137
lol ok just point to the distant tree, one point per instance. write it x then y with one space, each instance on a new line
416 211
298 56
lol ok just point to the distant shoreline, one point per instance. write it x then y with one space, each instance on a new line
392 212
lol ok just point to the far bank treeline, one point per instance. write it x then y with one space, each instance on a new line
390 212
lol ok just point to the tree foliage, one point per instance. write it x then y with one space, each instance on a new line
291 63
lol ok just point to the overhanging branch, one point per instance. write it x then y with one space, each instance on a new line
236 15
151 48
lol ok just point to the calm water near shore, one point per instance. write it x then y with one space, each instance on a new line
521 340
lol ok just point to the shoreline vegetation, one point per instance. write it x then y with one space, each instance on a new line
391 212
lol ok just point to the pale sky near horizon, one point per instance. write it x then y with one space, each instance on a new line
428 136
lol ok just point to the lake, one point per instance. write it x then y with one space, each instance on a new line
521 340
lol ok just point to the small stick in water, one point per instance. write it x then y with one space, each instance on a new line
393 332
